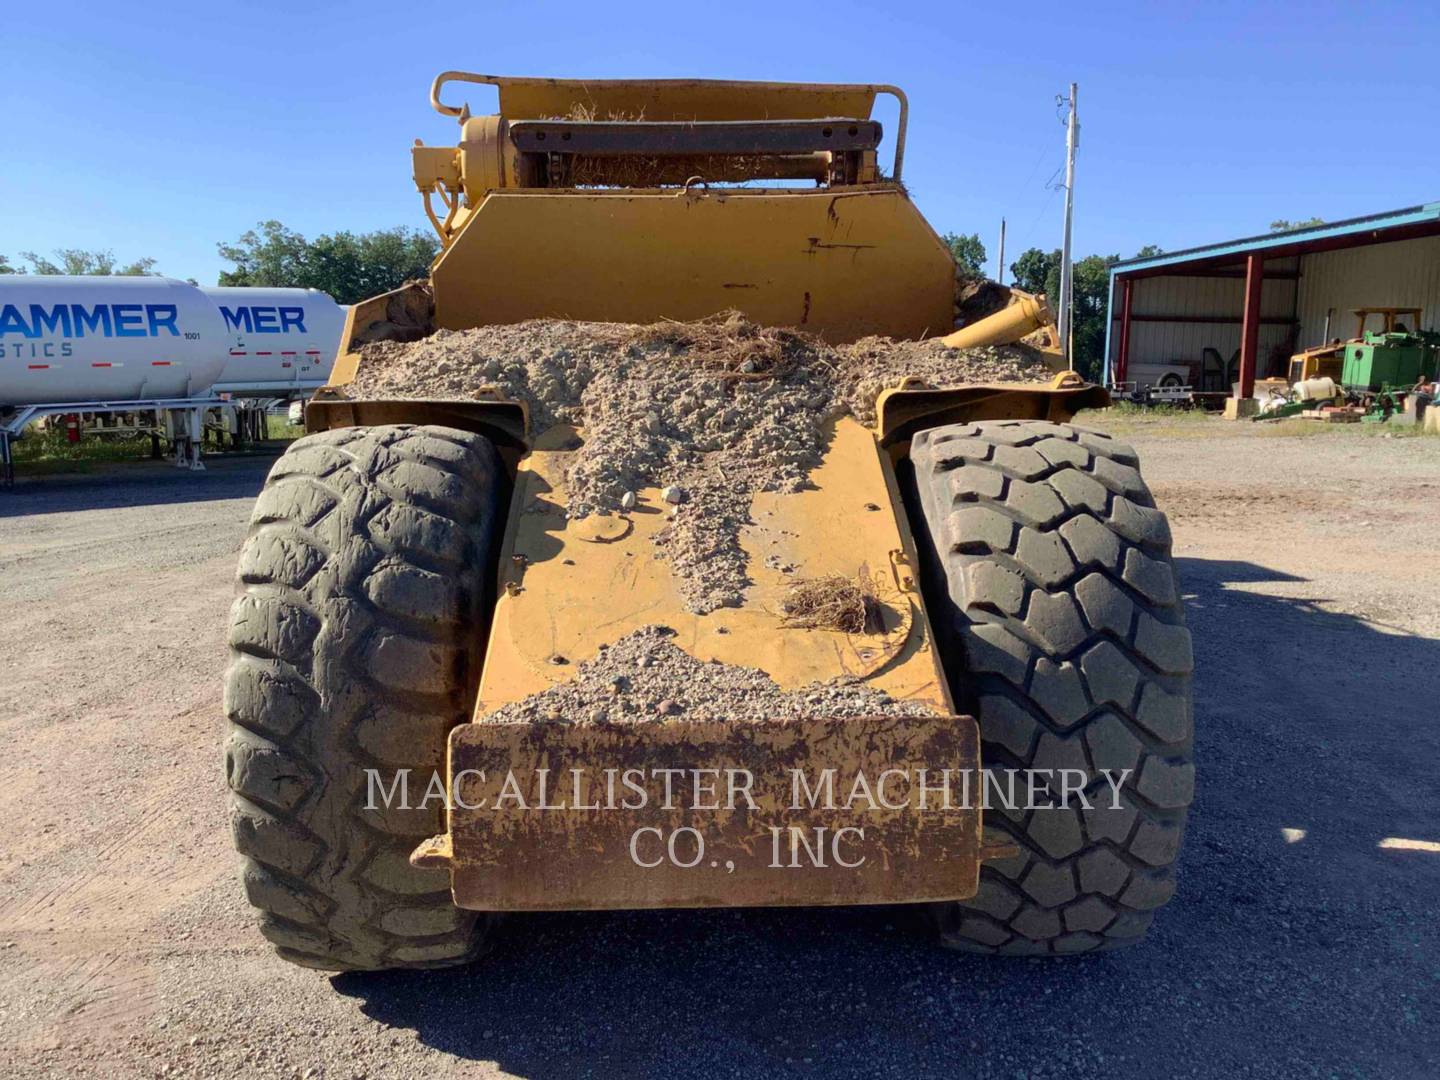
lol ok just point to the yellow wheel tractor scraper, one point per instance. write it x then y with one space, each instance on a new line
411 570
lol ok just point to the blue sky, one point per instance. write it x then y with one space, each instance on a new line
159 129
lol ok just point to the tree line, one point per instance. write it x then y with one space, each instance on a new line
76 261
349 266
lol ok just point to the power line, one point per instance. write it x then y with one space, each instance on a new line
1038 158
1049 201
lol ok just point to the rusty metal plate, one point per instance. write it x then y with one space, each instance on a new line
560 816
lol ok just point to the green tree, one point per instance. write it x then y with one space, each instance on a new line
6 268
1092 310
1036 271
969 253
272 256
1285 226
1149 251
349 266
78 261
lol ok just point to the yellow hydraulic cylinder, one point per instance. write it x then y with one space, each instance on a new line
1025 315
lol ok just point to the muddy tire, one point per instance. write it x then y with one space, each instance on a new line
355 644
1057 610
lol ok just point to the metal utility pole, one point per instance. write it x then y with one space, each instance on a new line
1000 259
1067 283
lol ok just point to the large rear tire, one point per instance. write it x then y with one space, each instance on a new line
356 641
1057 609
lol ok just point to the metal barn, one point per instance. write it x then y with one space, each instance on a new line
1231 312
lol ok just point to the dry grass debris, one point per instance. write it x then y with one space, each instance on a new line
831 603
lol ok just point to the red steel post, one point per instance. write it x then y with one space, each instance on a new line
1250 328
1122 362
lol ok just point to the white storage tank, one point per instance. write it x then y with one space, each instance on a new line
92 339
279 340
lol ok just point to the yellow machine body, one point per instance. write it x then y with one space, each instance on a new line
1323 361
843 264
852 258
558 573
849 258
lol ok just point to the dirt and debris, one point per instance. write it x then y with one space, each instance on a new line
409 316
646 676
831 603
977 298
718 409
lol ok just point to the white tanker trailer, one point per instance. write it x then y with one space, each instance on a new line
100 339
278 341
151 346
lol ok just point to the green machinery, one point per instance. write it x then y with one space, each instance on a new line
1381 366
1395 359
1393 356
1375 369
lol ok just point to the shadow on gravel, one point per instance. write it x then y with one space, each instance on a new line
115 485
1314 957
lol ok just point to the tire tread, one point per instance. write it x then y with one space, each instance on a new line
1056 605
344 613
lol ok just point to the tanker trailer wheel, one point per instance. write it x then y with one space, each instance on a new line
356 642
1056 607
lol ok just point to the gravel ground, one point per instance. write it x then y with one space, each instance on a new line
1311 572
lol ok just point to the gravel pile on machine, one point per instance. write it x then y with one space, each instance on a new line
711 412
645 676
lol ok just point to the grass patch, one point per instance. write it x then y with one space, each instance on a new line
284 431
1300 427
1126 418
1296 427
51 452
47 452
1128 410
